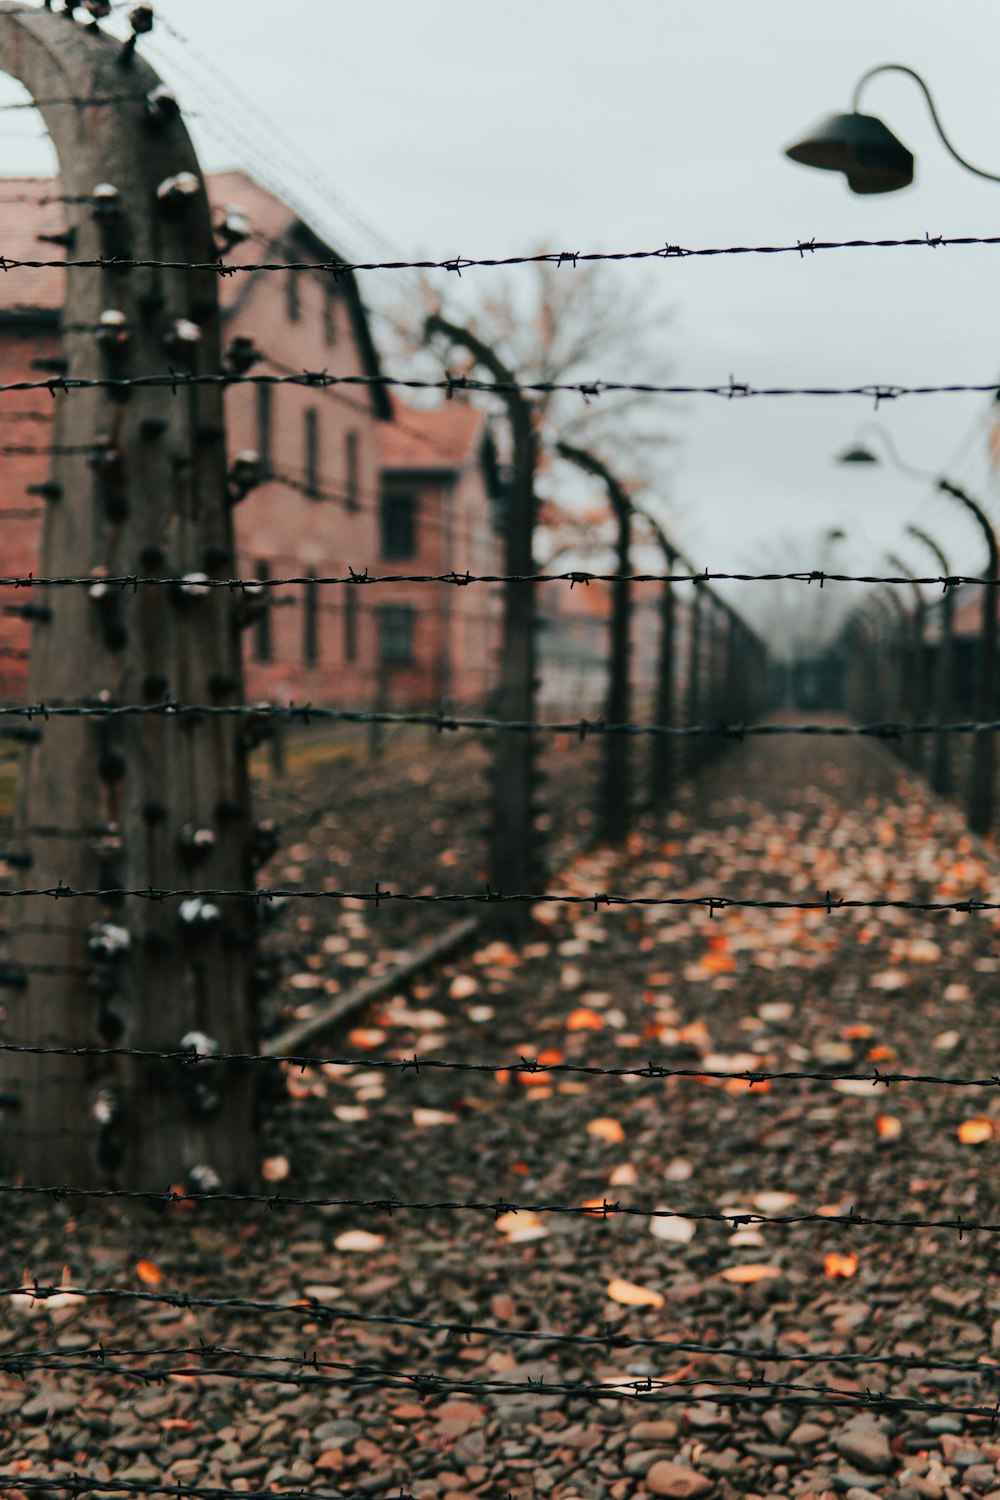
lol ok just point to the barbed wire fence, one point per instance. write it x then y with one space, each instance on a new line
714 676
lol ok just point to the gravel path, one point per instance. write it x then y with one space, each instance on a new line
834 1313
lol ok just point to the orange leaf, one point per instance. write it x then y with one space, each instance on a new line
889 1127
881 1053
605 1129
860 1031
630 1295
975 1132
149 1272
594 1206
502 1076
549 1057
839 1265
694 1034
746 1275
534 1080
718 963
584 1019
365 1038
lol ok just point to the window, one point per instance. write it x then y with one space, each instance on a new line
397 516
351 470
292 299
310 620
265 427
396 635
350 624
329 315
312 451
262 646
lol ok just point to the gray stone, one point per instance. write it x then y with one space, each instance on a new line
850 1479
48 1403
332 1434
664 1430
807 1435
643 1461
677 1482
864 1443
941 1424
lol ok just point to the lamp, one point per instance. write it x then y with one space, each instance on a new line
864 148
860 146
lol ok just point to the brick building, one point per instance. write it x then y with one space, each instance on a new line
352 479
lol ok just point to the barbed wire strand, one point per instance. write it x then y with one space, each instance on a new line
658 1390
575 577
829 903
316 1310
604 1210
522 1064
580 729
175 380
456 264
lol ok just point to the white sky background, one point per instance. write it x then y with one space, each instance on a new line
488 128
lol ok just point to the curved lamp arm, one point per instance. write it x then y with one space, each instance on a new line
911 73
895 458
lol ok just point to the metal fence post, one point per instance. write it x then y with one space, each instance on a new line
616 782
515 865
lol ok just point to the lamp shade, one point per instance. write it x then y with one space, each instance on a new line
860 146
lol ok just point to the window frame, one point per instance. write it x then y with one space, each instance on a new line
398 519
391 618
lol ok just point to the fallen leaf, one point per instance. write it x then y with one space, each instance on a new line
549 1057
462 986
359 1239
773 1201
889 979
975 1132
366 1037
521 1227
839 1265
275 1168
631 1295
746 1239
624 1176
149 1272
351 1114
427 1117
746 1275
584 1019
606 1129
673 1231
889 1127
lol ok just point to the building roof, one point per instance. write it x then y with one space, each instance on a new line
445 438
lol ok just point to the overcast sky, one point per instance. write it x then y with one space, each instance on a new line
494 128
